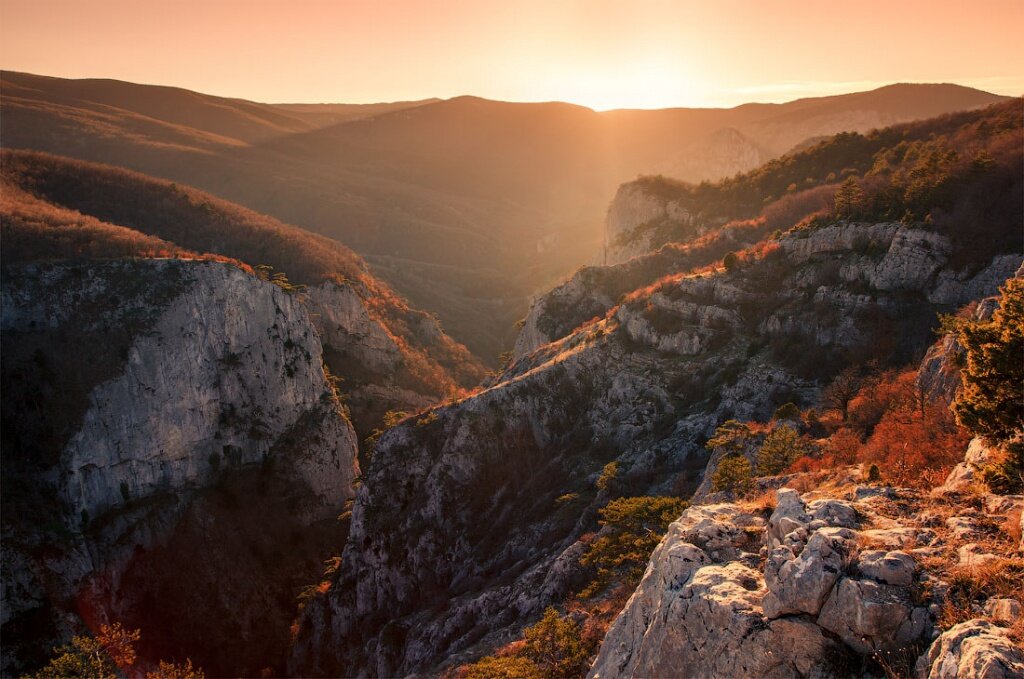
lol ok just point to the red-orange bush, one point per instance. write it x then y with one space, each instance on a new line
916 441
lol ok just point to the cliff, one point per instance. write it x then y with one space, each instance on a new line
390 356
456 536
139 395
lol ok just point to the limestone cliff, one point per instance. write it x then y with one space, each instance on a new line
633 217
456 536
134 390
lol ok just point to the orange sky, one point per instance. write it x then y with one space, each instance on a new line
599 53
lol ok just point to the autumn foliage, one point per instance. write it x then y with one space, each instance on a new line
887 420
916 441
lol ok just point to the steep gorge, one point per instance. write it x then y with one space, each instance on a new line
182 430
474 545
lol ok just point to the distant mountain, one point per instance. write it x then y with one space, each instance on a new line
467 206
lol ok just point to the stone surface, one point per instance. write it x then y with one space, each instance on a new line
1002 504
893 568
964 527
1006 611
869 616
973 554
964 475
789 515
713 627
975 649
902 537
632 209
801 583
833 512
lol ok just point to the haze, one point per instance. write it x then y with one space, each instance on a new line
597 53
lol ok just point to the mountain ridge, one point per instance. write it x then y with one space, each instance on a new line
495 201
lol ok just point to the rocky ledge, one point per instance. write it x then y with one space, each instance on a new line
820 586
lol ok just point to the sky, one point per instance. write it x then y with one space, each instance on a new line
598 53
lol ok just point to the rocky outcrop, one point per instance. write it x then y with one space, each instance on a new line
721 617
798 594
169 379
848 268
633 215
975 649
964 475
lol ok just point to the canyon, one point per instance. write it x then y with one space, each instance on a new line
232 433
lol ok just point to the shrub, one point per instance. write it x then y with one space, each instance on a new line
972 585
566 499
110 654
730 261
731 436
916 442
556 647
1005 475
503 667
991 402
781 448
787 411
844 446
732 474
166 670
632 528
608 474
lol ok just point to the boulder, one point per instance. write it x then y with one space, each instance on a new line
833 513
1006 611
789 515
892 568
869 616
800 584
964 475
975 649
713 627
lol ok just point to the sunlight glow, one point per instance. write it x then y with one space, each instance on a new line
598 53
644 84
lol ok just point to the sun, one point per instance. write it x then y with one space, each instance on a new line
647 84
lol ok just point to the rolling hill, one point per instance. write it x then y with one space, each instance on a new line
466 206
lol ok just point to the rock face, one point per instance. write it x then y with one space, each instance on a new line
800 594
975 649
632 216
199 375
644 385
380 371
849 268
721 617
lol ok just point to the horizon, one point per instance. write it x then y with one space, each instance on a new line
598 55
429 100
